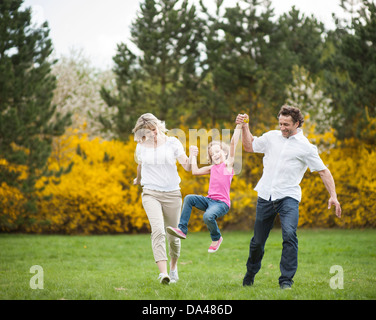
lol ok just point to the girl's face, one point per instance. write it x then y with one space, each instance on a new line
217 154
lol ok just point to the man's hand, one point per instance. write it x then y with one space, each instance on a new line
337 205
242 119
328 180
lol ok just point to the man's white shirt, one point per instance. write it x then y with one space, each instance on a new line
285 162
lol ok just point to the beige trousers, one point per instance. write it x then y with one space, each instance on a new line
163 210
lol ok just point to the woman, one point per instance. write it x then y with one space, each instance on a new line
161 197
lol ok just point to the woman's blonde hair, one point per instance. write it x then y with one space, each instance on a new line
146 122
223 146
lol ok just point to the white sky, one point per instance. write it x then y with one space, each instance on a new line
97 26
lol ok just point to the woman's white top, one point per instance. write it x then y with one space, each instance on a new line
159 171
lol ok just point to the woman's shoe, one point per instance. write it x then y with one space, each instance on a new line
174 275
164 278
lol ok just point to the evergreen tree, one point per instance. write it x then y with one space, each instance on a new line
296 40
233 60
351 72
212 106
162 78
28 121
249 59
235 43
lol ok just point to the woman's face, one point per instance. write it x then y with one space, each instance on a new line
150 133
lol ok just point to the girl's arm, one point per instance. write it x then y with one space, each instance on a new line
234 143
196 171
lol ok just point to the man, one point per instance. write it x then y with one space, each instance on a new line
287 154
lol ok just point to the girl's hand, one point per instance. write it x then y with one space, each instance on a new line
193 151
242 119
136 181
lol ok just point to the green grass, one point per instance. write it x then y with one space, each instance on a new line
122 267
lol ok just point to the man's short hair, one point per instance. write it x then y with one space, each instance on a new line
295 114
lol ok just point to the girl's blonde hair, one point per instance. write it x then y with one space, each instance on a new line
225 147
147 121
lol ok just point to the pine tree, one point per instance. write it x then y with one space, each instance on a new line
28 121
297 39
235 43
160 80
351 72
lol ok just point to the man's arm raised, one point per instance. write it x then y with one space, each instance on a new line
247 137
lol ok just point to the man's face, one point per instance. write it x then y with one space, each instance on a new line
287 126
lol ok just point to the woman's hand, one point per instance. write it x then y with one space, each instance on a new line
193 151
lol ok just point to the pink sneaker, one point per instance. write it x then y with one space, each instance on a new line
176 232
216 247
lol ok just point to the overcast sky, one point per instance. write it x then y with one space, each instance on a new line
97 26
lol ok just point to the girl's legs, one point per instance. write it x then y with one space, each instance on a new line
190 201
215 210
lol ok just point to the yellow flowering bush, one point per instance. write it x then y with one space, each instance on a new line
98 196
12 200
11 204
352 165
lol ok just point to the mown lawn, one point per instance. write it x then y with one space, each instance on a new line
118 267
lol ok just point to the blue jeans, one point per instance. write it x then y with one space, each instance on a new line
213 210
266 211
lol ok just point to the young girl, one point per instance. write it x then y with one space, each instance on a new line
217 203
